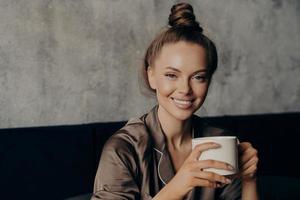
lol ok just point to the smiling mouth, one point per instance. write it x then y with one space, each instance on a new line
183 103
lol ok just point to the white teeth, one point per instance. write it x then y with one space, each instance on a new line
182 101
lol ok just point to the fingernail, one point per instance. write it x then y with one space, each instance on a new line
216 145
230 167
228 180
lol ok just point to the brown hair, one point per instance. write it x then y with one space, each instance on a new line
182 26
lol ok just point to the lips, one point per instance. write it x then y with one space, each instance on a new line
183 103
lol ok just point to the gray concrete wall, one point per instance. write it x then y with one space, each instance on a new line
74 61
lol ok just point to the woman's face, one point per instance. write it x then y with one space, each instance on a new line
180 78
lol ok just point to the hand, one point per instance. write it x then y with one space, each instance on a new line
191 172
248 160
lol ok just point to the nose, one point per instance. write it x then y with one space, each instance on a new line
184 87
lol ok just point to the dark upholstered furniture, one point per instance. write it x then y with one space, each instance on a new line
60 162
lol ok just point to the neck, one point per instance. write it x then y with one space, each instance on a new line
177 131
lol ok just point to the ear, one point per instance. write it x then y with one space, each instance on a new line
151 78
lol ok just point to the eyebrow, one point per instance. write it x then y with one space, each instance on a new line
175 69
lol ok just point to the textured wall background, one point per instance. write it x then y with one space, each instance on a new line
73 61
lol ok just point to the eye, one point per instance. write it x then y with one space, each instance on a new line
200 78
171 76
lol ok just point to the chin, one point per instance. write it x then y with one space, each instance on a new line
182 114
180 111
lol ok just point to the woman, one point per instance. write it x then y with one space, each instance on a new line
151 157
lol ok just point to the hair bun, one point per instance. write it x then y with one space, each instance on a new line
182 15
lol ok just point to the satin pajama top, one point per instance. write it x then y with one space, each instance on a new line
135 162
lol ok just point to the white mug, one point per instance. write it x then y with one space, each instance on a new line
227 152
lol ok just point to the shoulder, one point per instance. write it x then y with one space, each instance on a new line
126 147
133 136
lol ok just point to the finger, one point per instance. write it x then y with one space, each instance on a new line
213 177
243 146
203 164
195 154
204 183
247 155
252 161
249 171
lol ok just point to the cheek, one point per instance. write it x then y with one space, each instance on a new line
164 87
201 90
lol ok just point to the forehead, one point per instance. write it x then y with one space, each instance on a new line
181 55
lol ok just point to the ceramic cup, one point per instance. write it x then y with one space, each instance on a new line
227 152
